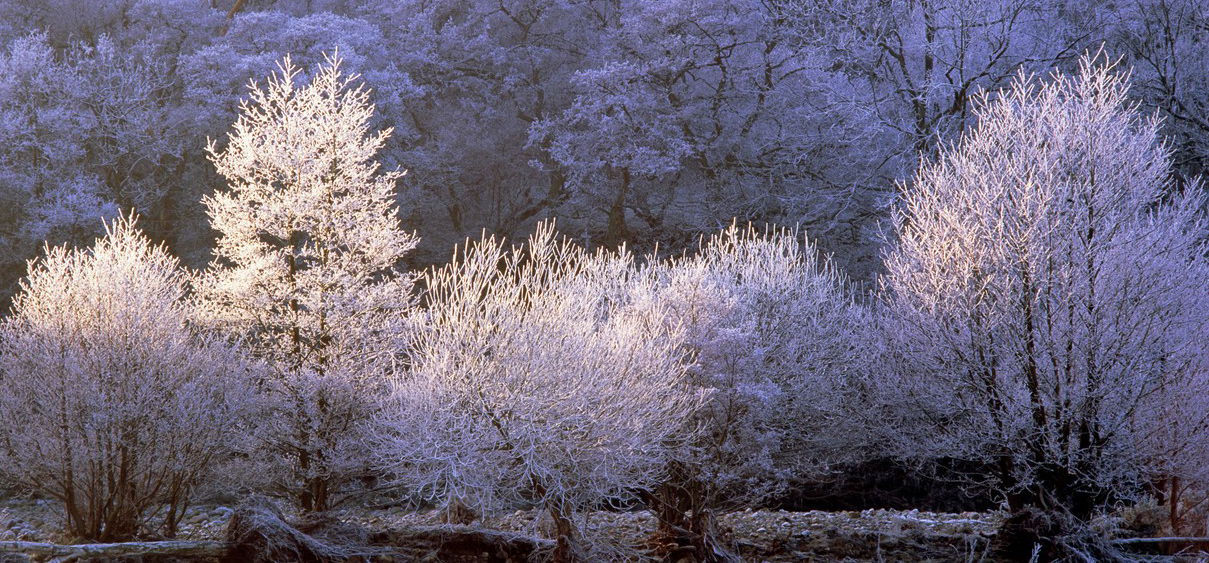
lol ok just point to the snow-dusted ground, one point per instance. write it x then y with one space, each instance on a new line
763 535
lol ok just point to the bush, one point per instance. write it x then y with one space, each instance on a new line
113 403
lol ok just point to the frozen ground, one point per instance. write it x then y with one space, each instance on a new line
870 535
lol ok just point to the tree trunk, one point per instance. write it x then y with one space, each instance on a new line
235 8
617 234
564 536
687 529
317 489
1173 506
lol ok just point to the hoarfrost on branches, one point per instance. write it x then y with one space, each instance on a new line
1046 299
114 404
544 375
306 271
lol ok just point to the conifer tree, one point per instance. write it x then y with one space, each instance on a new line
305 268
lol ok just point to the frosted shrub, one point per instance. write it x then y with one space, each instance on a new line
113 403
774 333
544 375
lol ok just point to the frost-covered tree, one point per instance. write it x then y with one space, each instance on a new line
86 130
891 79
918 64
774 334
49 191
616 132
215 72
494 69
305 269
113 403
544 375
1163 41
137 144
1046 297
689 113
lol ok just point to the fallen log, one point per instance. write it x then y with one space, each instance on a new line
260 534
192 549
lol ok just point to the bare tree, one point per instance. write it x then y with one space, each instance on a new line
1162 40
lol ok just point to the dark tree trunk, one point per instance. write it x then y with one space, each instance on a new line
617 232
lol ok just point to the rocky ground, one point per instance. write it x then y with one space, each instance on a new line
870 535
770 535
